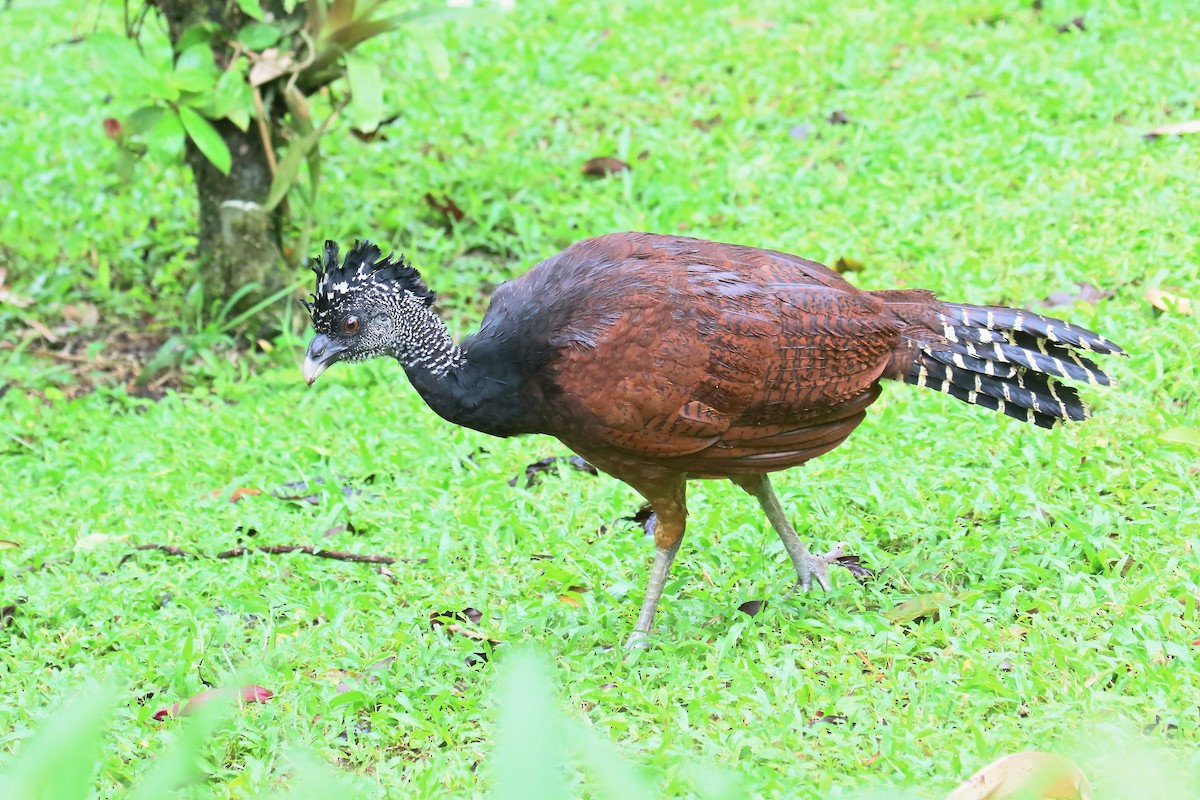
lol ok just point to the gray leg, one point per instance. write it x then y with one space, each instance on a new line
809 568
663 557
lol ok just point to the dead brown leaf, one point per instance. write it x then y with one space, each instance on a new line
751 607
41 330
270 65
1175 129
7 297
549 465
1073 24
604 166
452 624
572 596
1165 301
1037 776
81 315
1086 294
246 694
446 207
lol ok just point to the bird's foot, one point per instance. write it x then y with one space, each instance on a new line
815 568
638 640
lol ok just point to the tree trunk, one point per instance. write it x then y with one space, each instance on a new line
239 242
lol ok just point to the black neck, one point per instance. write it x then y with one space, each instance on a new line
485 395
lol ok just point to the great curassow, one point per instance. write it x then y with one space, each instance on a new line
664 358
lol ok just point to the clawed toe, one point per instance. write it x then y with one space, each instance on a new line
818 567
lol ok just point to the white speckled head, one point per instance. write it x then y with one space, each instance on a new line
370 306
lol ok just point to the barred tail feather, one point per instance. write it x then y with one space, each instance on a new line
1004 359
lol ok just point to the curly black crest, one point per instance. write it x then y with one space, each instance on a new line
365 272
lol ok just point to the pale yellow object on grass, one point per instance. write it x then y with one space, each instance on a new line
1026 776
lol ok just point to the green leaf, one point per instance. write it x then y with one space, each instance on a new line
202 32
198 57
259 36
251 8
166 137
366 92
60 759
528 760
289 168
436 53
207 139
1188 436
923 605
231 99
353 697
142 120
613 776
191 80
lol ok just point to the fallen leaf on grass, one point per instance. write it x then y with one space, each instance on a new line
838 118
1188 436
1031 775
751 607
534 471
854 565
642 517
8 544
6 615
82 315
572 596
7 297
340 529
1076 23
451 623
604 166
247 694
93 541
1165 301
312 491
1086 294
1175 129
446 207
923 605
237 494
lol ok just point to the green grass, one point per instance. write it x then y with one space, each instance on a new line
988 157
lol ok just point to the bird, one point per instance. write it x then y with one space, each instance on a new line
661 359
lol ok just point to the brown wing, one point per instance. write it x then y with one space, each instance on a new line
715 358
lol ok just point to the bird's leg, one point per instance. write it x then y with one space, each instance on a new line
809 568
666 524
663 557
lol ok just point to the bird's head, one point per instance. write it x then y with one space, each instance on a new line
360 306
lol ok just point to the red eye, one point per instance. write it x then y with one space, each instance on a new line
350 324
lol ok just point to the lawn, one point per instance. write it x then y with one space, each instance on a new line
970 147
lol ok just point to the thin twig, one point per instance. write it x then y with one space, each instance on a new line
260 115
308 549
170 549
